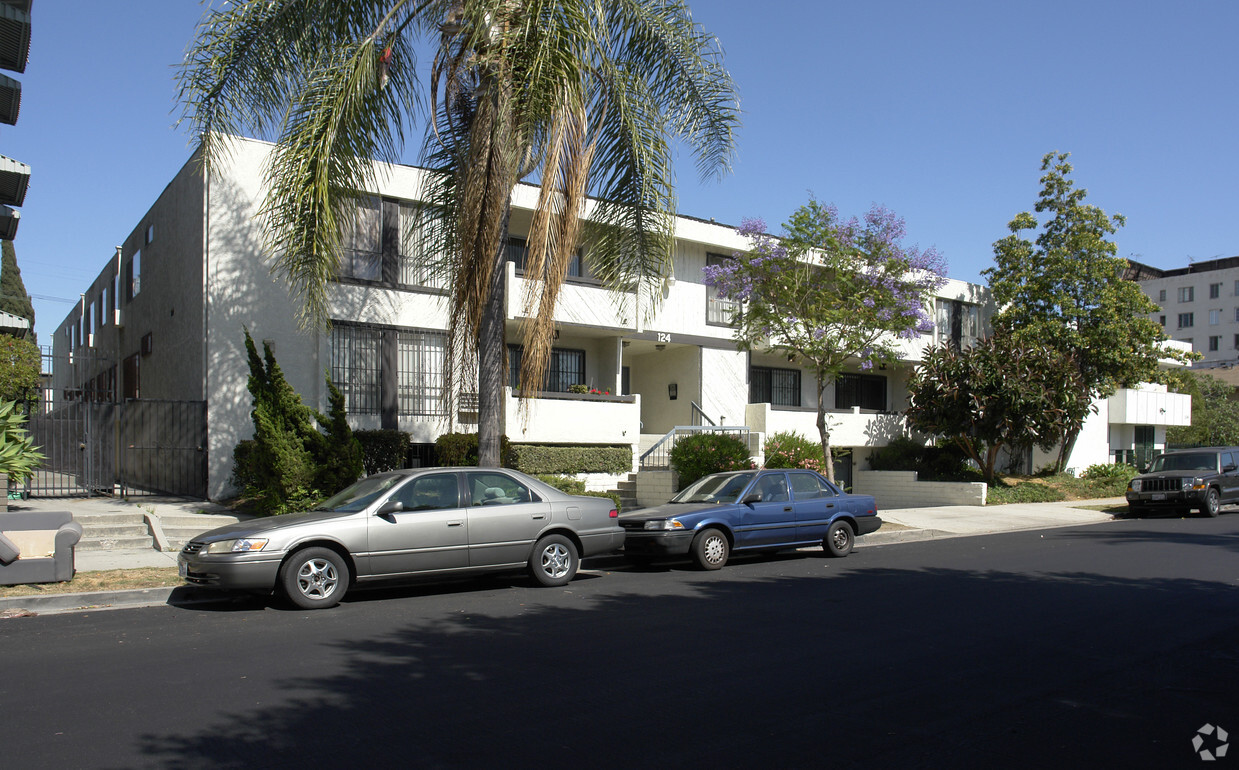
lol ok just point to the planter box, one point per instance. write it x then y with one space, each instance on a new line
902 489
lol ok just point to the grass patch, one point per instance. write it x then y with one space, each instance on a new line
1049 489
102 580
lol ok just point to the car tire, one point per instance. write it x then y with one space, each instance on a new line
839 539
1212 504
554 561
314 578
710 549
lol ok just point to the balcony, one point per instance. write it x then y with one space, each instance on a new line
571 418
850 427
1149 407
580 302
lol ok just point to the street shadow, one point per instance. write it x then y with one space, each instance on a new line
887 667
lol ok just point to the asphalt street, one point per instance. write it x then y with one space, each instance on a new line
1107 645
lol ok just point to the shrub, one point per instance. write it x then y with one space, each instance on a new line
791 450
932 463
455 449
19 457
1023 492
704 453
1121 471
536 459
575 487
382 450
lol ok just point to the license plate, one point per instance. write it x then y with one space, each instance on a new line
182 569
1159 497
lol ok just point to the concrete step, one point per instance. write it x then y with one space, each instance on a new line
191 521
88 520
103 531
115 543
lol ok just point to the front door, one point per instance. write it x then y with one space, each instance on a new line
1143 446
431 533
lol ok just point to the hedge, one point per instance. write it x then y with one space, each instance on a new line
382 450
538 459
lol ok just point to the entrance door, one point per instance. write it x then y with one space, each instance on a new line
1144 446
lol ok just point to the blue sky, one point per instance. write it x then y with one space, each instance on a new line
940 111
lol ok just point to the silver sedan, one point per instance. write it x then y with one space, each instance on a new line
434 521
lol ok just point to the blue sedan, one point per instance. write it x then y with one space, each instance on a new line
750 511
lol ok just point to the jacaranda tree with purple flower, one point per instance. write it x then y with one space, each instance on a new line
831 294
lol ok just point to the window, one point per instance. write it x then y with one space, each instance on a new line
956 323
496 489
1161 295
133 276
416 265
1215 317
429 493
105 305
518 251
88 323
1187 293
1162 320
719 311
1215 290
777 387
355 367
807 486
868 391
421 362
132 384
566 367
361 251
1187 320
1215 343
1237 342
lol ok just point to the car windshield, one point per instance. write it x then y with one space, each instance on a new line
719 488
1196 461
360 494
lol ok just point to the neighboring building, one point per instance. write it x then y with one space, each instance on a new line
1197 305
14 53
165 320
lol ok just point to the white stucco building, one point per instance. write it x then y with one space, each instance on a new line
165 318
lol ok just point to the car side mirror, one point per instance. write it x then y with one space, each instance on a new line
752 497
391 506
1229 468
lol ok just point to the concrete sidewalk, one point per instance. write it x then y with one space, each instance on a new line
901 525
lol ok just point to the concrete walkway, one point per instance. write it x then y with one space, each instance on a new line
901 525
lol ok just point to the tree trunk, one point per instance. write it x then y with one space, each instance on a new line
823 431
491 364
1065 449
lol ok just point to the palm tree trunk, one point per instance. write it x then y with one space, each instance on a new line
492 348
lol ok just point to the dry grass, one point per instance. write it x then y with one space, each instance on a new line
103 580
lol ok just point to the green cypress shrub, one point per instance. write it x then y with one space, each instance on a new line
704 453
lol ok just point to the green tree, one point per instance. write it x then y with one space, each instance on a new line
20 365
583 97
998 393
289 462
831 293
1065 291
1215 412
13 296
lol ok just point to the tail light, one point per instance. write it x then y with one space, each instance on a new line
614 514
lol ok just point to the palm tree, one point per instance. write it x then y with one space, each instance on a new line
583 97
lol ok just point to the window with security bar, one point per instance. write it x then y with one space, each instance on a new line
566 368
356 367
777 387
421 362
868 391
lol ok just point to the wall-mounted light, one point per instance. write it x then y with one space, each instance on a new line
660 347
673 390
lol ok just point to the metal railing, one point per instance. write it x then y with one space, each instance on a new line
699 415
658 457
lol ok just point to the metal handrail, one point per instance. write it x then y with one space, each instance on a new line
700 414
659 455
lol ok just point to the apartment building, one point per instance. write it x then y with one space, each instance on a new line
1197 305
165 319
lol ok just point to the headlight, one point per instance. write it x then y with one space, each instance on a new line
1198 483
240 545
664 524
1136 484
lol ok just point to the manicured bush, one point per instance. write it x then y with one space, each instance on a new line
792 450
1121 471
536 459
1023 492
576 487
704 453
456 449
382 450
932 463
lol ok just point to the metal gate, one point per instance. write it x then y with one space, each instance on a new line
139 447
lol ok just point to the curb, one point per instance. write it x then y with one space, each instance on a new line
16 606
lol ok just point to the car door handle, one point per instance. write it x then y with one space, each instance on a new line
830 505
787 509
538 515
456 522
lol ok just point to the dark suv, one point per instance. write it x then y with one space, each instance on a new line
1205 478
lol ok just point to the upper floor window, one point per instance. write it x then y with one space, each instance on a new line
133 276
778 387
416 267
1215 290
1215 317
361 248
956 323
1186 320
1161 295
719 311
566 368
1215 343
518 252
868 391
1187 293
